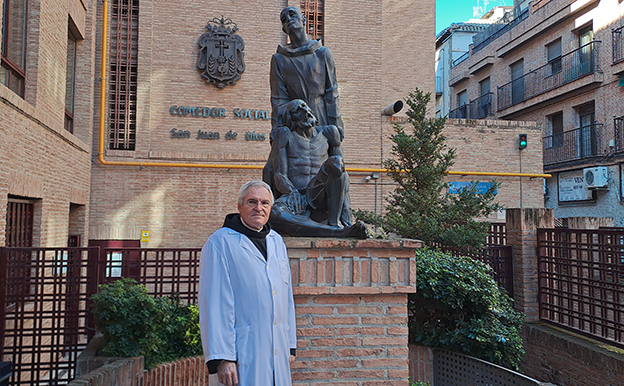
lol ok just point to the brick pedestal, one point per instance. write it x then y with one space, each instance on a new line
351 304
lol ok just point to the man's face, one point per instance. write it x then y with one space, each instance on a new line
256 207
303 116
292 19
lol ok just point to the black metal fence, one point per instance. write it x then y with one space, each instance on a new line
617 44
478 108
162 271
481 107
45 319
496 254
584 142
460 112
559 71
581 281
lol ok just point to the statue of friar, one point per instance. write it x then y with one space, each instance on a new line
304 69
308 178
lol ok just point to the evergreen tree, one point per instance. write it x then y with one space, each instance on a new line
421 206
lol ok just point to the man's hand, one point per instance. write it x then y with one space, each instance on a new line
297 202
291 360
227 373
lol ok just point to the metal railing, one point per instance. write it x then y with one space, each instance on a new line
576 144
464 56
45 319
567 68
617 44
505 24
482 106
618 125
478 108
451 368
496 254
460 112
162 271
581 281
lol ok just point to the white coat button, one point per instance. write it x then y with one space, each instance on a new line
273 293
275 323
275 352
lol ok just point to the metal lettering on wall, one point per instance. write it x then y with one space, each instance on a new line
218 112
221 57
214 135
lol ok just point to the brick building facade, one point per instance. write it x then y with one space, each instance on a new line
558 63
45 138
383 50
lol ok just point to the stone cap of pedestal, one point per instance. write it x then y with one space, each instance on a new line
352 267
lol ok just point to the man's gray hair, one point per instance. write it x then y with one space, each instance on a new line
242 192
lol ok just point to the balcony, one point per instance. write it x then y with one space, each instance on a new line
617 45
558 72
464 56
505 24
481 107
459 113
477 108
577 144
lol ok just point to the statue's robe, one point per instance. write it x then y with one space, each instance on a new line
307 73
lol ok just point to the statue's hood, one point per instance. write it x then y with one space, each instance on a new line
310 47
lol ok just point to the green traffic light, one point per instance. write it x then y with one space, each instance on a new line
522 141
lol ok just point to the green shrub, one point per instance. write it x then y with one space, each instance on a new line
459 307
134 323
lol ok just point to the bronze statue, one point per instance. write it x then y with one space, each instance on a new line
308 178
304 69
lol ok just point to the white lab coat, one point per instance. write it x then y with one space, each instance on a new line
246 307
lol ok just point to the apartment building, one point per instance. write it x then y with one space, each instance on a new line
453 44
559 63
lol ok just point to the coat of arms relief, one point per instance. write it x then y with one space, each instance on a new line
221 57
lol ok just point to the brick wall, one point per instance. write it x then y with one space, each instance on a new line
491 147
351 305
563 359
421 363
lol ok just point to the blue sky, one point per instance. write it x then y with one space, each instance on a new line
456 11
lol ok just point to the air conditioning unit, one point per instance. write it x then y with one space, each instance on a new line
596 177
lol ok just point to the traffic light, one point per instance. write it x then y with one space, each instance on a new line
522 141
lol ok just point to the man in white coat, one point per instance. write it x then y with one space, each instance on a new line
246 307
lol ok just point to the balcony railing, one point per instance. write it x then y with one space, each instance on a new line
481 107
618 44
460 112
477 108
567 68
618 124
506 23
576 144
460 59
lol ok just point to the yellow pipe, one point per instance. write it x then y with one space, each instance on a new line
217 166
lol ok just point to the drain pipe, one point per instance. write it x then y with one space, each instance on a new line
219 166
